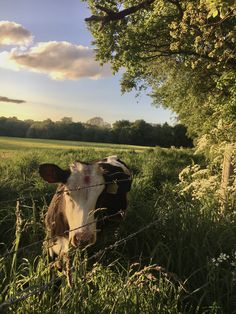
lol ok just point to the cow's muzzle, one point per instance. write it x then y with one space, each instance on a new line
82 238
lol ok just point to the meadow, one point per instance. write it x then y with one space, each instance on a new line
8 144
184 263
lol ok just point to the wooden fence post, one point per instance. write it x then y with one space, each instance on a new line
227 173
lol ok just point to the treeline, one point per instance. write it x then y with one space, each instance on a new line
121 132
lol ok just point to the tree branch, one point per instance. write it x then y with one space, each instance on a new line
168 53
114 16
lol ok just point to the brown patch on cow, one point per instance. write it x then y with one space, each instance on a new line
87 180
56 222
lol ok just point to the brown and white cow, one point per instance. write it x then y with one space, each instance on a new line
84 187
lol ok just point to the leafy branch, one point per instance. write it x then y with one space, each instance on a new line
114 16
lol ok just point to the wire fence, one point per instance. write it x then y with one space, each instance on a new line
67 231
59 235
30 197
23 295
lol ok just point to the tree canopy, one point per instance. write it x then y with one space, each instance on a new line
138 132
183 49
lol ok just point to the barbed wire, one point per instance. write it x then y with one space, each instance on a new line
21 198
94 185
124 240
60 235
39 289
68 231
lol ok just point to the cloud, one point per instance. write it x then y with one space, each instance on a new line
16 101
6 62
12 33
60 60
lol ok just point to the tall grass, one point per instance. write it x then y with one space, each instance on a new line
186 263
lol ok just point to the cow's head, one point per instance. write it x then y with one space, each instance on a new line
83 184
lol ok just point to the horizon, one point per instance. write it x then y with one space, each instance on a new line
36 84
86 122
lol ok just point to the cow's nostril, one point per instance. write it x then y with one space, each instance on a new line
82 238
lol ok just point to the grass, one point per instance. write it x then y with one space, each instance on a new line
13 143
176 266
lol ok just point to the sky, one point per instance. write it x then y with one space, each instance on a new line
48 69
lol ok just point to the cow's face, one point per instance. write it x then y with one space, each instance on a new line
83 185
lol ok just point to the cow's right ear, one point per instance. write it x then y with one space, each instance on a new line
53 174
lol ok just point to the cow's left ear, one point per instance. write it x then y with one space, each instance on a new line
53 174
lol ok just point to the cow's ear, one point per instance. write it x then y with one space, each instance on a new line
53 174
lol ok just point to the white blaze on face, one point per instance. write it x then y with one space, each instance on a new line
80 204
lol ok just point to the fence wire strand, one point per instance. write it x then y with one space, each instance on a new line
59 235
39 289
22 198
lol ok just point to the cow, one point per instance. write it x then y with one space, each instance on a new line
76 210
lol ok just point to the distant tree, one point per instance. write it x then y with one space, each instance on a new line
43 129
99 122
122 132
13 127
69 130
3 129
66 120
180 137
138 132
74 131
34 130
141 133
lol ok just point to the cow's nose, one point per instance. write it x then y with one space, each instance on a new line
82 238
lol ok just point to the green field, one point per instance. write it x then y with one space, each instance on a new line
185 263
14 143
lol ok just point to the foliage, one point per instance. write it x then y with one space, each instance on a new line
183 50
204 183
98 121
123 132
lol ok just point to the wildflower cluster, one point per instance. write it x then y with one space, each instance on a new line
202 183
220 259
227 261
197 182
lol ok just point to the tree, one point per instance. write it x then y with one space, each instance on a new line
180 138
66 120
185 50
42 129
99 122
122 132
13 127
141 133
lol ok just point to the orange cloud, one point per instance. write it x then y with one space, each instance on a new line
60 60
12 33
